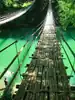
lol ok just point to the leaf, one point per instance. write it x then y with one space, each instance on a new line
66 12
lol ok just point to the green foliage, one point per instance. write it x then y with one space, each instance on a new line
66 12
16 3
8 2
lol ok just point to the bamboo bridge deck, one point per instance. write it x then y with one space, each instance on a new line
45 78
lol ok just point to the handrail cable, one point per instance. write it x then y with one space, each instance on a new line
15 57
74 40
17 40
20 65
71 36
8 46
66 52
68 58
24 59
67 45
